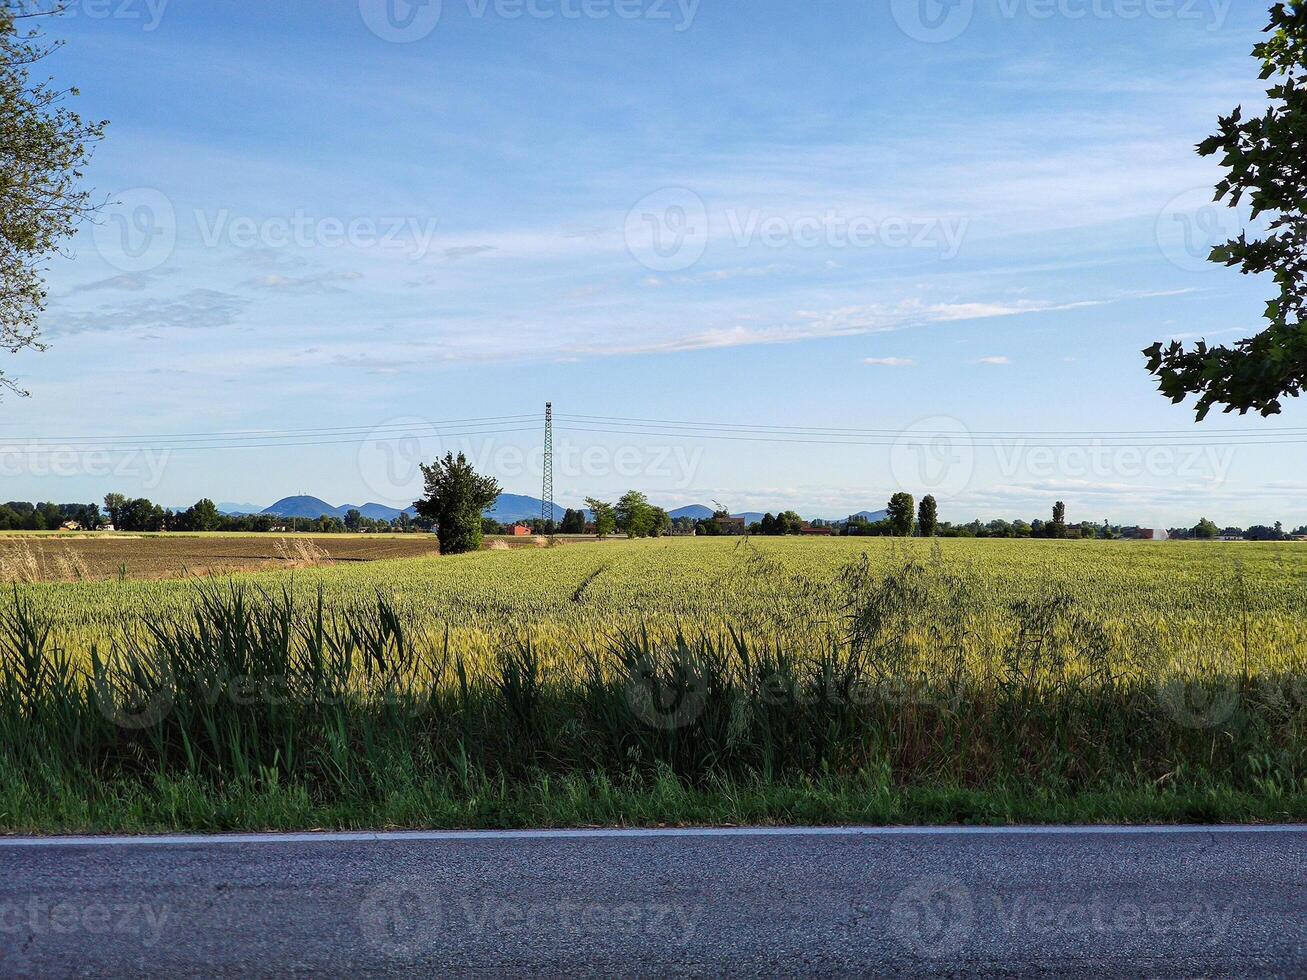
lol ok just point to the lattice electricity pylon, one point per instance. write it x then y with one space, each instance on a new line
547 494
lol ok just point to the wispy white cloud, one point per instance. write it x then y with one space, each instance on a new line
889 361
321 282
725 275
456 252
196 309
128 281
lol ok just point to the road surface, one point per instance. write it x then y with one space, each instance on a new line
1105 902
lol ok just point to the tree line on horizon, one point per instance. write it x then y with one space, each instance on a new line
137 514
632 516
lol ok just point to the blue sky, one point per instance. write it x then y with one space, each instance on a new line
836 215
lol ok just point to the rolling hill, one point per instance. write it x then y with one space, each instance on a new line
696 512
237 510
872 515
315 507
508 508
512 507
302 506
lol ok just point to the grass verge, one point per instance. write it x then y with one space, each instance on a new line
168 805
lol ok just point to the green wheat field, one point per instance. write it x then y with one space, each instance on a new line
667 681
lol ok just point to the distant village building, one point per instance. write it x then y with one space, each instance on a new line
519 531
822 531
731 525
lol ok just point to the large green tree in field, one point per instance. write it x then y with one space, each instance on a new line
456 494
605 518
115 505
635 515
1057 527
1265 159
43 147
900 509
928 517
202 516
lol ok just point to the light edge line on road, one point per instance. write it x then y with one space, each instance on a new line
401 836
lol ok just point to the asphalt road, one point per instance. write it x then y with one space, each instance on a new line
1187 903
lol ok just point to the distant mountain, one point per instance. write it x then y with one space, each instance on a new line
237 510
696 512
315 507
508 508
512 507
378 512
872 515
302 506
699 512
